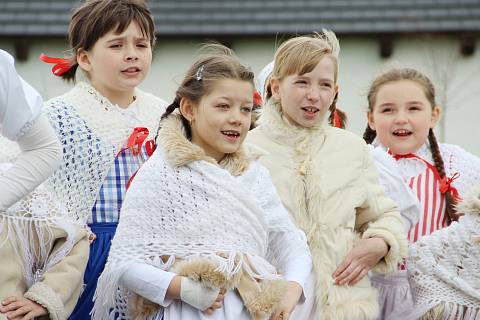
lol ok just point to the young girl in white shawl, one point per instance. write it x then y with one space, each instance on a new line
327 180
203 234
43 254
105 121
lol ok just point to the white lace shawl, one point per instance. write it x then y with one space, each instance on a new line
92 131
444 267
192 210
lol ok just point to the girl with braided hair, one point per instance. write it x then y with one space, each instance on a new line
203 233
402 114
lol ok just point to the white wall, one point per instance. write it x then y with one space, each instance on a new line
359 62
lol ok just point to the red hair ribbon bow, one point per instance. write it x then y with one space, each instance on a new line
257 99
337 123
61 65
446 185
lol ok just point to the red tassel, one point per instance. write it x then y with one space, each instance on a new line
337 122
446 185
61 65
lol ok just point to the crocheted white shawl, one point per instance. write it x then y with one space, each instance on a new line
444 267
92 131
183 205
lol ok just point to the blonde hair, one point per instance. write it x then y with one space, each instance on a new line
301 55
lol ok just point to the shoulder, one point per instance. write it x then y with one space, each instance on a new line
344 142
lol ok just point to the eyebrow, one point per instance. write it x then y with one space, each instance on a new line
123 38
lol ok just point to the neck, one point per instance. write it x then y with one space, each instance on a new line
122 98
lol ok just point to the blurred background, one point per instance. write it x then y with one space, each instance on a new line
439 37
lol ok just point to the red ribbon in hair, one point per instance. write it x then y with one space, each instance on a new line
337 122
257 99
61 65
446 185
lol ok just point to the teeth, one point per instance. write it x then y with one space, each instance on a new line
231 133
310 109
401 132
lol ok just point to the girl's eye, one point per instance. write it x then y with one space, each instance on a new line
327 84
142 45
386 110
414 108
223 106
247 109
302 82
115 45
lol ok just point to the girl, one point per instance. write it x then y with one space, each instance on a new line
402 115
104 121
202 217
44 254
327 180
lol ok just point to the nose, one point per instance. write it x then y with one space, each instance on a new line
401 117
235 117
131 53
313 94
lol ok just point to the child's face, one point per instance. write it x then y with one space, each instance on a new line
402 116
117 63
222 118
306 98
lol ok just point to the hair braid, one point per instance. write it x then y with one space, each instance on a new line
439 164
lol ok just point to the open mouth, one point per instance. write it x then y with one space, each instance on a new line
402 133
231 134
310 109
131 70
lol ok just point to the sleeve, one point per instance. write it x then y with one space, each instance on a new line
379 217
20 104
395 187
41 154
149 282
288 249
61 285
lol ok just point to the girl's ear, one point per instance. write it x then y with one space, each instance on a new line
83 60
436 112
186 109
275 88
371 122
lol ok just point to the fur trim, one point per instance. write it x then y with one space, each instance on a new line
45 296
264 302
471 203
179 151
141 308
205 271
348 303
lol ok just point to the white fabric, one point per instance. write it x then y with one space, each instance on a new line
395 187
196 294
92 131
20 104
192 207
38 157
261 79
444 267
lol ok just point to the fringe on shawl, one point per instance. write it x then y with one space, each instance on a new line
32 240
452 311
114 302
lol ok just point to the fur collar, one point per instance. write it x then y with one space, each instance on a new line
179 151
278 127
471 203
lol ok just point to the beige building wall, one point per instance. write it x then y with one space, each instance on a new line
457 78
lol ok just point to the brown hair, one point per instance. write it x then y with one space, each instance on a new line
216 62
301 55
95 18
369 135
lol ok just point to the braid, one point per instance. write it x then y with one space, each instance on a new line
342 115
174 105
369 135
439 164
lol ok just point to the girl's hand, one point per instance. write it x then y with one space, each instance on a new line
217 304
363 257
288 302
19 308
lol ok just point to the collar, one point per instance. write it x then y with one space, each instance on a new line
179 151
